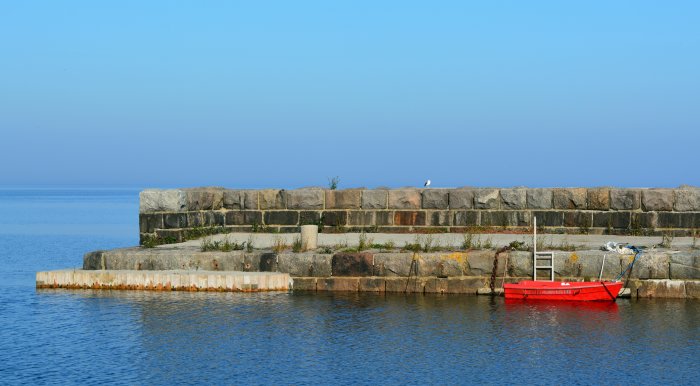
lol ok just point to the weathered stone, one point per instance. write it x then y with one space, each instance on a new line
213 218
464 285
676 220
409 218
309 217
156 200
692 289
539 198
335 218
616 220
651 265
505 218
272 199
148 223
175 220
487 199
687 200
195 219
352 264
204 198
574 198
549 218
392 264
305 264
435 199
361 218
625 199
642 221
304 283
374 199
404 199
578 219
372 284
467 218
282 217
514 198
343 199
435 285
384 218
657 200
599 199
480 263
339 284
94 260
305 199
461 199
240 199
440 218
243 217
442 264
661 289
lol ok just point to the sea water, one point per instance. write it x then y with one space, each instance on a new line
131 337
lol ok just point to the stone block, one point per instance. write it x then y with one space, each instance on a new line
175 220
195 219
435 285
304 283
687 200
361 218
661 289
643 221
281 217
374 199
343 199
539 198
480 263
309 217
384 218
240 199
435 199
487 199
272 199
599 199
461 199
675 220
305 199
243 217
442 264
657 200
578 219
204 198
213 218
414 217
305 264
514 198
149 222
625 199
169 236
339 284
353 264
335 218
505 218
573 198
401 284
372 284
157 200
692 289
94 260
464 285
467 218
392 264
404 199
616 220
442 218
549 218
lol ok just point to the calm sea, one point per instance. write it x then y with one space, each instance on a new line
123 337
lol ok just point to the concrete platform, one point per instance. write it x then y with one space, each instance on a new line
174 280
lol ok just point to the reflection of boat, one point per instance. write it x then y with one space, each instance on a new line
549 290
548 305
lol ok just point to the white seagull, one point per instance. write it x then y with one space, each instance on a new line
427 183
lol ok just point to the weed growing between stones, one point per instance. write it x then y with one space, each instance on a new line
151 241
364 242
197 232
296 245
278 245
467 241
249 246
333 183
388 246
666 240
208 244
695 239
325 249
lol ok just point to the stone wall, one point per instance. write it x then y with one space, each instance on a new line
178 214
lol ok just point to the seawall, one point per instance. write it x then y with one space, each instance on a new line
175 215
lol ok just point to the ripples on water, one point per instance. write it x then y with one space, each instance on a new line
62 336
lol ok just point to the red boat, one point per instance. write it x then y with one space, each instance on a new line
552 290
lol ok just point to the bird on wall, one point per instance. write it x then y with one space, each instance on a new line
427 183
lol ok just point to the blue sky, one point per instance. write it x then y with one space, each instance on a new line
288 94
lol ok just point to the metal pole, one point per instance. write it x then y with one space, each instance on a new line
600 277
534 247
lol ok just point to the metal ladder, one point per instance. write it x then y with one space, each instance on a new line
546 258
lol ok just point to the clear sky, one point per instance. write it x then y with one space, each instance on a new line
380 93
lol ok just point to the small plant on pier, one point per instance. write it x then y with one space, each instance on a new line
249 246
364 242
208 244
333 183
278 245
296 244
666 240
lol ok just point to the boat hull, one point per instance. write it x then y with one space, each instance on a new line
566 291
